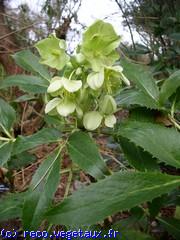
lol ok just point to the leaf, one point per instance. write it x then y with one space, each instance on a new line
84 152
21 160
135 235
11 206
121 191
161 142
26 83
44 136
5 152
28 61
175 36
170 86
142 77
7 115
42 190
136 97
137 157
171 225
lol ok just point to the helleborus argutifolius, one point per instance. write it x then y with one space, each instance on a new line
92 120
66 107
52 52
108 105
52 104
99 44
110 121
70 85
95 79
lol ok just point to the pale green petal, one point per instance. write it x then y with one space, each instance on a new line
72 85
110 121
95 80
92 120
79 112
118 69
52 104
55 85
65 108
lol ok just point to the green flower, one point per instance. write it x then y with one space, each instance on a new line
52 52
95 79
66 107
99 44
61 82
92 120
108 105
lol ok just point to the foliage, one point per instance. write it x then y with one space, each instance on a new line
82 97
157 23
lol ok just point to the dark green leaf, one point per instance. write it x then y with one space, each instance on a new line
172 226
28 61
42 190
161 142
135 235
175 36
7 115
170 86
5 152
142 77
136 97
11 206
121 191
137 157
84 152
44 136
27 83
21 160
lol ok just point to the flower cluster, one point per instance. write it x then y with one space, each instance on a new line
87 81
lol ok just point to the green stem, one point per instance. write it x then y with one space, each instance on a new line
68 184
5 139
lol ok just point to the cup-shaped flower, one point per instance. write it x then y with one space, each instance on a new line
70 85
52 51
109 121
66 107
108 105
95 79
92 120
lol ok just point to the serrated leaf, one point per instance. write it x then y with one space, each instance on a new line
42 189
11 206
28 61
142 77
171 225
84 152
170 86
26 83
137 157
7 115
44 136
121 191
5 152
132 97
161 142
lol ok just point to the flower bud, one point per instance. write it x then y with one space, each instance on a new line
108 105
92 120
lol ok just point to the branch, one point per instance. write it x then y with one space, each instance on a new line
127 22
